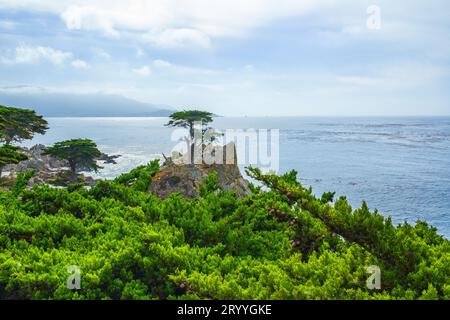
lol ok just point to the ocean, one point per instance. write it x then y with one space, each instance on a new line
400 166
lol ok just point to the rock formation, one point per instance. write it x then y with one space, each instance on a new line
49 169
176 175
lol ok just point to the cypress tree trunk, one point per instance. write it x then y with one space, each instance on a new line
191 133
73 167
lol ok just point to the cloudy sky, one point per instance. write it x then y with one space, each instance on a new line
235 57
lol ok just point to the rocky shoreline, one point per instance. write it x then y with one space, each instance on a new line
49 169
173 176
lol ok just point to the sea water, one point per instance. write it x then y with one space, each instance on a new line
400 166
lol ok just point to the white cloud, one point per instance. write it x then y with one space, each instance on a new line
415 33
144 71
88 18
162 64
170 23
25 54
72 88
20 89
80 64
178 38
197 23
102 54
403 75
7 24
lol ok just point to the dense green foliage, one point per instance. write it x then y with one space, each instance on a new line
280 242
10 155
79 153
17 124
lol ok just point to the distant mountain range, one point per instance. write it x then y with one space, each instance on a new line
84 105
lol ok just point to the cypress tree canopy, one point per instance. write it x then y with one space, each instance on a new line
10 155
79 153
186 119
17 124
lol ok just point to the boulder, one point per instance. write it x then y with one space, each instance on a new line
108 159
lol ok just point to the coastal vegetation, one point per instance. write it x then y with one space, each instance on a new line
279 241
18 124
10 155
79 153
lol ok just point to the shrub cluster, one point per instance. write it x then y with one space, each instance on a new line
279 242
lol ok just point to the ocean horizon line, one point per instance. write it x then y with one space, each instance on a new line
272 116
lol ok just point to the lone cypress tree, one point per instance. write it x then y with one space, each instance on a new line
187 119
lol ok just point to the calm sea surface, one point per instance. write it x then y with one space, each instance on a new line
401 166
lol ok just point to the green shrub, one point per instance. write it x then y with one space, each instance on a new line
280 242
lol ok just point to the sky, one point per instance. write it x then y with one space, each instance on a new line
235 57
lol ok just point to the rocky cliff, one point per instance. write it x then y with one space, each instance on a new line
177 176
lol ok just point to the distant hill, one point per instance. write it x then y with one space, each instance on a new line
84 105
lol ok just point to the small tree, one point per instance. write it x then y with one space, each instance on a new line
10 155
79 153
188 119
17 124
